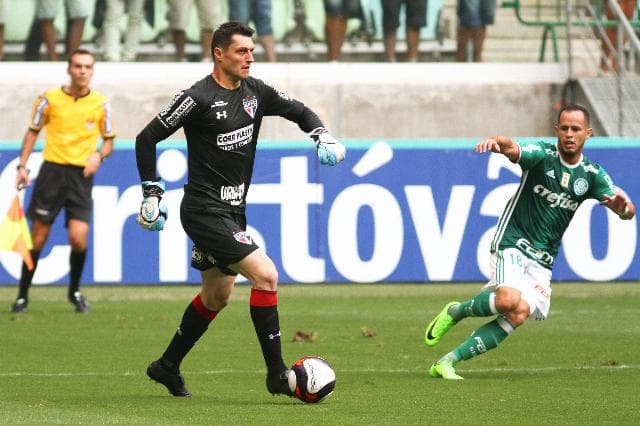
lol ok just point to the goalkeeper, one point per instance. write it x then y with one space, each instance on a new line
556 179
221 116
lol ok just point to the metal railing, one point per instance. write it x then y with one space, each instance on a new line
614 101
551 15
625 30
626 62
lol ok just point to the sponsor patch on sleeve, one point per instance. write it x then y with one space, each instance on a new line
173 114
280 93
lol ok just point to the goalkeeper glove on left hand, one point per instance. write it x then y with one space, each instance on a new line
330 151
152 215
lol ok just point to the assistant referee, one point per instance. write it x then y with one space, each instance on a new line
74 117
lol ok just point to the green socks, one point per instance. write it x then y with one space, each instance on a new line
483 339
483 305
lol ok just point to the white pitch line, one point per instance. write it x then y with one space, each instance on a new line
347 370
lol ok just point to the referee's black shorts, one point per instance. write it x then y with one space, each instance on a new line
58 186
219 237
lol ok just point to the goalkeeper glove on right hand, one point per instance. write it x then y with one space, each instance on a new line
330 151
152 214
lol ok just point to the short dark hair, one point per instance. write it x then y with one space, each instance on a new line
223 34
81 51
575 107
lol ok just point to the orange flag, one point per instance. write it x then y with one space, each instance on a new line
14 233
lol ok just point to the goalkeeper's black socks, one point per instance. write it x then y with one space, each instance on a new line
76 263
27 275
195 321
264 314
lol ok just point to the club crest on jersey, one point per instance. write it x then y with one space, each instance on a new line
250 104
243 237
580 186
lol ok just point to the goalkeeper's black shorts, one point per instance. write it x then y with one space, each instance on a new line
219 237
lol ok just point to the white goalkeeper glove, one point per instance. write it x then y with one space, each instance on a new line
152 214
330 151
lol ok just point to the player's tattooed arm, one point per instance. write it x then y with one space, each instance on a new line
502 145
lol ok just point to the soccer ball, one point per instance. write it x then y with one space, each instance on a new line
312 379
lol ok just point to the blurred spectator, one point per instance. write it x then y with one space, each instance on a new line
258 11
473 18
609 61
415 18
97 22
209 17
33 41
3 16
46 12
337 14
111 27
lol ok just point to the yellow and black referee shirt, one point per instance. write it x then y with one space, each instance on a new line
72 125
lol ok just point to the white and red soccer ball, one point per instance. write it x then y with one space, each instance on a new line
312 379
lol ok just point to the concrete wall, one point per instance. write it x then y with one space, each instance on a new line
355 100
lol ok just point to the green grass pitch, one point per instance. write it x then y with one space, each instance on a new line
581 366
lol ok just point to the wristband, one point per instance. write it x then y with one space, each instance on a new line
20 166
102 156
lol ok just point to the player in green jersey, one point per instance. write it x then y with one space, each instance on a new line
556 179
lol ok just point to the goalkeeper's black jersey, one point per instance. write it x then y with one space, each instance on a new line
222 128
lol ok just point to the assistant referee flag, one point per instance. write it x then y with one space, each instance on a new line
14 233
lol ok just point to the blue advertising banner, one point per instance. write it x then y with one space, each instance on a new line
393 211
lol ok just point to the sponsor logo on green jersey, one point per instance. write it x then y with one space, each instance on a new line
562 200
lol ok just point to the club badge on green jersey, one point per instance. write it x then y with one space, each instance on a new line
580 186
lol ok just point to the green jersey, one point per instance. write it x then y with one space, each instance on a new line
548 196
